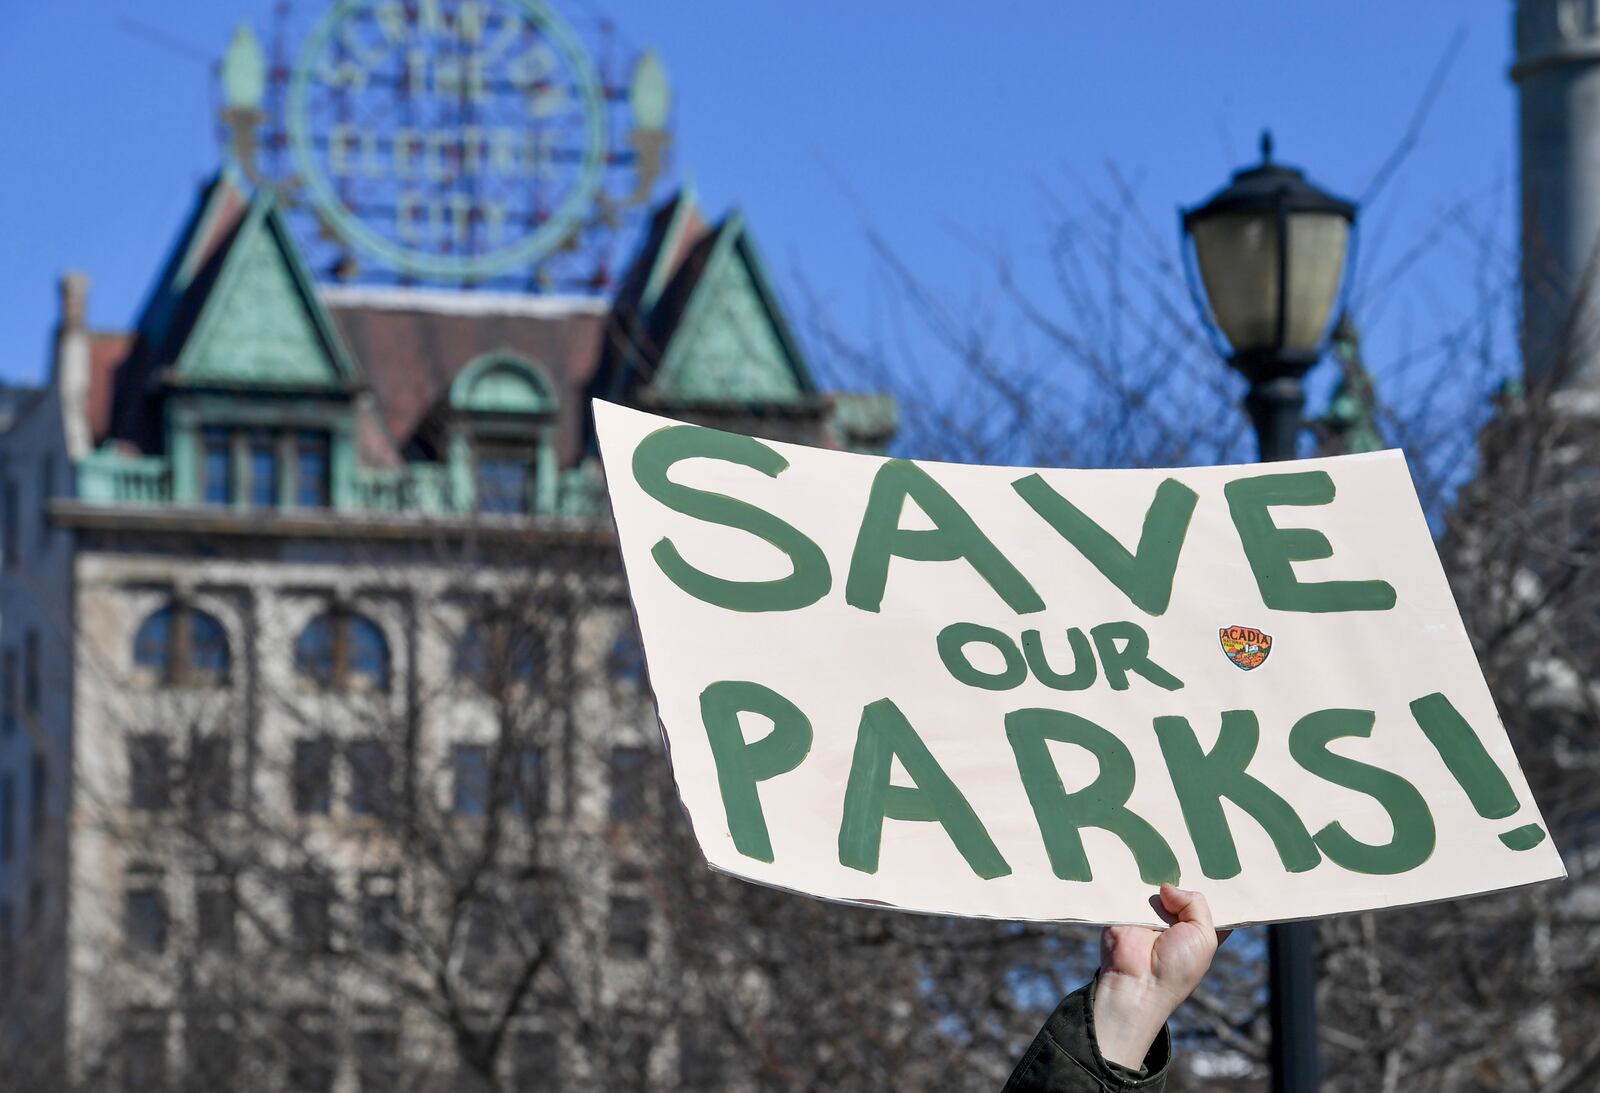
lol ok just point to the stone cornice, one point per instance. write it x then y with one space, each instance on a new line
206 520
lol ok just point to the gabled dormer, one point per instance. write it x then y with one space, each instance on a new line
698 325
729 339
261 324
256 388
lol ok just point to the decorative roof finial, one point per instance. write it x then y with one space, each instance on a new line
1266 146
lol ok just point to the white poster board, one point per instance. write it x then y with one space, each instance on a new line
1023 694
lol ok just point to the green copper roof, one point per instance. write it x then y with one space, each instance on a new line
732 341
262 322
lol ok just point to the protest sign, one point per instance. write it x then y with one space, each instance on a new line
1036 694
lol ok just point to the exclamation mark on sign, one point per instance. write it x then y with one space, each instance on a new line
1471 765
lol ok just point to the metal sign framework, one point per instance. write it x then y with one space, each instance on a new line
461 142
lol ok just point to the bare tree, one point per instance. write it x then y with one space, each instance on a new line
1112 369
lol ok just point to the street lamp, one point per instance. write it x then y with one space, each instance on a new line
1272 251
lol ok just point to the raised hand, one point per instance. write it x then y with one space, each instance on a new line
1145 974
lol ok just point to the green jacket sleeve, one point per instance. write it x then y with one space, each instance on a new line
1065 1058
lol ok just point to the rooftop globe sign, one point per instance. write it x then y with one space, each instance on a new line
458 141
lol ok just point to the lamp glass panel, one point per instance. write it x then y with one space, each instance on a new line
1238 257
1317 247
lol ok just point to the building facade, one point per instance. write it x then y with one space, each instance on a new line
326 757
1557 72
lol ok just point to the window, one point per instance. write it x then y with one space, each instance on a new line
500 653
40 793
149 786
701 1063
216 467
380 913
469 764
268 466
144 913
313 775
8 822
311 913
480 938
504 482
263 470
8 692
371 778
311 470
144 1051
152 645
211 773
212 1053
630 1055
30 672
536 1060
216 913
313 652
47 487
629 766
527 795
480 780
342 651
181 646
628 927
626 662
313 1053
9 552
378 1057
369 655
208 648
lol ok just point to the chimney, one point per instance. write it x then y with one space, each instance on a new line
74 301
1557 73
71 371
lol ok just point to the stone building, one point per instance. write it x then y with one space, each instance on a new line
1557 73
325 758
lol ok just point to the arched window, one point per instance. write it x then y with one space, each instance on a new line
181 646
506 405
501 652
340 650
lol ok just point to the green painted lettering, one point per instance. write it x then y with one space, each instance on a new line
1132 655
1272 550
1103 803
1471 765
869 798
954 535
1083 671
810 579
1202 779
954 639
742 766
1145 575
1413 838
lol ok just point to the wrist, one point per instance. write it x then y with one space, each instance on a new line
1129 1014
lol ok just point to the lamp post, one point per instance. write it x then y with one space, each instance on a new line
1271 251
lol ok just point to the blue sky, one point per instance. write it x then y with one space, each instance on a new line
936 122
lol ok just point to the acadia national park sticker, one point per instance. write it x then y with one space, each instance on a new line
1246 646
